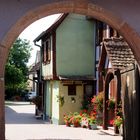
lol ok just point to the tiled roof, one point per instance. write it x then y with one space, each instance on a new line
119 53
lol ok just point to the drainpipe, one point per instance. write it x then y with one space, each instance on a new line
107 31
40 76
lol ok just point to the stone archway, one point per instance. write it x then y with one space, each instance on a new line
74 6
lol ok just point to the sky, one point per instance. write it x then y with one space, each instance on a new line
34 30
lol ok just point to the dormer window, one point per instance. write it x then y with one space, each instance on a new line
46 51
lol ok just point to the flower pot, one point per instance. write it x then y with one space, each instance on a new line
84 123
68 124
121 130
93 126
76 124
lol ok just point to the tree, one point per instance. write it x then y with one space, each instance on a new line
16 68
20 54
13 76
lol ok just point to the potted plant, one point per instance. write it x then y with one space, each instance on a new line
111 109
118 121
92 123
85 120
37 101
97 102
67 119
76 119
111 104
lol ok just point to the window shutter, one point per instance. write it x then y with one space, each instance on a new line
49 50
45 52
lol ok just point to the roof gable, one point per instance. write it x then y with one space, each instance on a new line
119 53
52 28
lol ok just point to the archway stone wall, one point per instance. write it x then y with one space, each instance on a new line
79 6
3 53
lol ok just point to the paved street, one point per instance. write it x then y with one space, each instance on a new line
21 124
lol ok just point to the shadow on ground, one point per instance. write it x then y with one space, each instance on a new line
13 117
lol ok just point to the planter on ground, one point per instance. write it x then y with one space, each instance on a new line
93 126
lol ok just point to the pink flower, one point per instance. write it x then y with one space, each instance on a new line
93 100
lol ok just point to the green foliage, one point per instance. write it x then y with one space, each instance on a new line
85 104
118 121
13 76
16 68
97 102
111 104
61 100
82 119
67 119
20 54
92 120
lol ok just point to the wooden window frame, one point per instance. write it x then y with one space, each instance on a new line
46 51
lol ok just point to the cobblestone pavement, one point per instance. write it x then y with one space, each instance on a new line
21 124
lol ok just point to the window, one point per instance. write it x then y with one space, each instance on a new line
71 89
46 51
90 89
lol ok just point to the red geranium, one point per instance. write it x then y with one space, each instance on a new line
111 122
